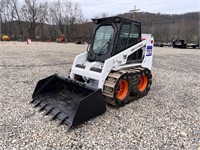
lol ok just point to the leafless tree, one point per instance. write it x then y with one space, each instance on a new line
74 16
1 7
30 18
65 14
6 16
15 10
32 12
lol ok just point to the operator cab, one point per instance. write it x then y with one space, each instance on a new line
112 36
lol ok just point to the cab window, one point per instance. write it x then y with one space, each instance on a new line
102 40
129 36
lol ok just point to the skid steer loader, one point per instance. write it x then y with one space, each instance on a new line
116 69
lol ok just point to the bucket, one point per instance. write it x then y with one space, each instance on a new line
67 100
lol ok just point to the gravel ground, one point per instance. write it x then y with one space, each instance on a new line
167 118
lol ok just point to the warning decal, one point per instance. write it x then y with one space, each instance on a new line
149 50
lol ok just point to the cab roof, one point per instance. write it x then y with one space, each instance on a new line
116 19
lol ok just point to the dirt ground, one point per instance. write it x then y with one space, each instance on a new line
167 118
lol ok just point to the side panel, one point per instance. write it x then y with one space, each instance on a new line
119 61
148 59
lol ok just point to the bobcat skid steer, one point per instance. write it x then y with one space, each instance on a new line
116 70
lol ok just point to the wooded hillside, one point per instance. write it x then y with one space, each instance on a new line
165 27
41 20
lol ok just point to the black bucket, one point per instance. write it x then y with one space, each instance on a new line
68 101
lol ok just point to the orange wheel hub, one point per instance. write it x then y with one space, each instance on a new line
123 90
143 83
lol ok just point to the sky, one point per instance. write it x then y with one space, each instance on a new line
112 7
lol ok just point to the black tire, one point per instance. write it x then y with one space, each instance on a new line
136 92
125 99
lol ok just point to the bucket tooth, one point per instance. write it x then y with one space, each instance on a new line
37 104
61 121
48 111
32 100
43 107
55 115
